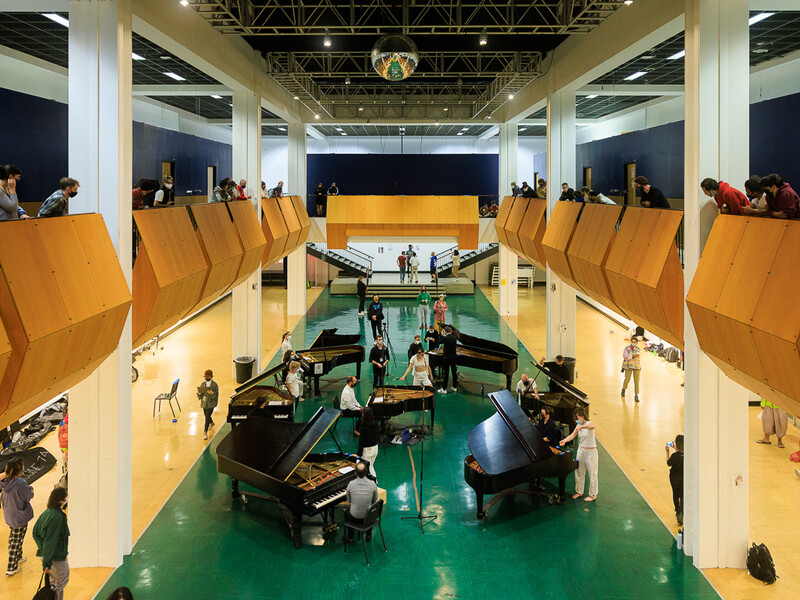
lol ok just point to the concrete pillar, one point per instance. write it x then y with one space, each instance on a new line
296 267
100 157
246 297
560 168
715 408
508 258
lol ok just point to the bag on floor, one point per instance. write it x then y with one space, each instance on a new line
760 565
45 592
672 355
795 456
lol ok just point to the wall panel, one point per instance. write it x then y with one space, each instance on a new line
251 238
557 238
275 232
292 221
531 232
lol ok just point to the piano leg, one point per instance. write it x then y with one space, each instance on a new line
295 522
235 488
316 386
481 512
358 370
562 490
508 382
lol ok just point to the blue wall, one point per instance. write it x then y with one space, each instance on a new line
774 135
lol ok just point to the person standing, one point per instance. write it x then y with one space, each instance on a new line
559 369
165 195
730 201
652 197
413 265
319 198
567 193
293 382
632 366
433 338
596 197
421 367
439 312
782 201
456 263
242 191
401 263
434 275
333 190
10 210
415 345
51 534
587 455
379 357
208 399
773 421
368 440
675 463
277 191
57 204
264 190
361 493
375 315
526 385
361 290
541 191
17 511
527 191
449 357
423 301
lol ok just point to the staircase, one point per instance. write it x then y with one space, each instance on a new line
445 262
351 261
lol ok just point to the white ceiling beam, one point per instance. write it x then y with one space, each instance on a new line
16 55
773 5
314 133
490 133
631 90
180 90
35 6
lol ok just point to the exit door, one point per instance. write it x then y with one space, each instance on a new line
630 189
587 177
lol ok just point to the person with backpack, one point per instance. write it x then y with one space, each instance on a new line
632 366
675 464
51 535
17 511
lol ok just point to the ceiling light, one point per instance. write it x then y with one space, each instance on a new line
446 109
360 108
216 97
297 97
511 96
165 57
677 55
628 2
590 96
316 117
347 80
135 56
521 129
338 129
57 18
282 128
174 76
647 57
437 123
635 75
484 39
460 133
753 20
184 2
326 41
229 104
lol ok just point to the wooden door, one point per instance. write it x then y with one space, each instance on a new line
167 168
211 179
630 189
587 177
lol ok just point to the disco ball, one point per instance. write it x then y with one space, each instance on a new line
395 57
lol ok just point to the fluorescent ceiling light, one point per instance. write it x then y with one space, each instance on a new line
677 55
135 56
522 128
174 76
460 133
59 19
590 96
184 2
316 116
635 75
343 133
215 97
753 20
282 128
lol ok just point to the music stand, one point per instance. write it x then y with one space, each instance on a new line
420 517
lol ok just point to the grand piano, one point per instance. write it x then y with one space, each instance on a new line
275 457
393 400
563 403
244 397
330 350
507 451
482 354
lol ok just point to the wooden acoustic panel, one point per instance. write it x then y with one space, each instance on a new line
644 271
557 238
63 301
251 239
221 249
745 305
273 226
468 226
336 223
169 272
514 222
501 219
293 225
302 215
531 232
589 250
5 350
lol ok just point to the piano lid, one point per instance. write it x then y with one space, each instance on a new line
507 440
329 337
302 445
483 344
261 378
564 384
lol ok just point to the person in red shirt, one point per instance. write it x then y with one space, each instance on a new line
241 190
782 201
729 200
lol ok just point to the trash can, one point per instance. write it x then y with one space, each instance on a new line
569 362
244 368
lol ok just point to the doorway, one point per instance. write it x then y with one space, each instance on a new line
211 178
630 189
587 177
167 169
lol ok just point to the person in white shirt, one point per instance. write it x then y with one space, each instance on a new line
596 197
293 382
526 385
422 369
348 398
586 456
413 263
286 347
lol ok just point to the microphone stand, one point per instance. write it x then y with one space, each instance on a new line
423 519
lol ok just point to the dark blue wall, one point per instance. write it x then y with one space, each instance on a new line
774 135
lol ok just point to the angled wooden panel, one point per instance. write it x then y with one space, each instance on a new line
336 222
293 225
589 250
63 301
302 215
514 222
501 218
644 272
221 249
274 229
468 225
251 238
169 272
531 232
557 238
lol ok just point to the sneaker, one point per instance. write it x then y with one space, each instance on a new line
14 572
680 519
22 559
622 393
205 435
441 391
453 389
636 398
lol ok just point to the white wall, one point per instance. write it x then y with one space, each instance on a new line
275 161
387 259
652 114
526 148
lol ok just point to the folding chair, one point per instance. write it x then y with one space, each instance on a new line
346 414
173 395
372 518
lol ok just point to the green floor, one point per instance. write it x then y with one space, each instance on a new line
204 545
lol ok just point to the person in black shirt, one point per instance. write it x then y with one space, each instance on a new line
449 355
333 190
416 345
567 193
261 409
379 357
527 191
547 426
652 197
361 290
375 315
675 463
432 338
319 198
368 441
557 368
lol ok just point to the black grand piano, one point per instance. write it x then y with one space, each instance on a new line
244 397
330 350
482 354
507 451
275 457
563 402
394 400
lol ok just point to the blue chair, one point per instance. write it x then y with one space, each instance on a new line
173 395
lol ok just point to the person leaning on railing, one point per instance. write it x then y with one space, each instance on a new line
729 200
10 210
782 201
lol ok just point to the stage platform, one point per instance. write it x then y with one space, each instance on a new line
388 285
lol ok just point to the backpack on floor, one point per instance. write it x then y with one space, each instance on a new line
760 565
672 355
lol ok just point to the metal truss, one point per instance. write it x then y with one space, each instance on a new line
412 17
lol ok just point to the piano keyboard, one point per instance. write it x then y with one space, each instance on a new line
329 499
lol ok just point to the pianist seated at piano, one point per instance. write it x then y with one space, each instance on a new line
362 493
348 404
547 426
526 386
586 455
260 409
422 369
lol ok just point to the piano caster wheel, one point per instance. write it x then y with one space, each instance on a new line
244 499
551 500
482 515
330 528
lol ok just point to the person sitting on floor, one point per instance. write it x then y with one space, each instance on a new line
362 493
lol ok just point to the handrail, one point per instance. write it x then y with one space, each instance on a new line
360 253
442 261
447 263
360 258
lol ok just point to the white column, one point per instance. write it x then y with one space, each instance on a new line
296 261
100 158
715 408
508 258
560 168
246 297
